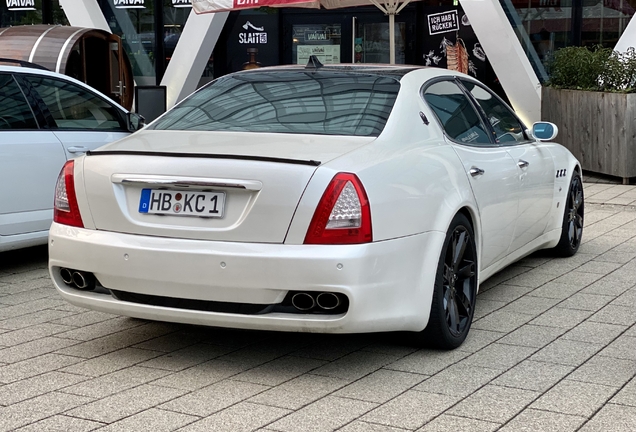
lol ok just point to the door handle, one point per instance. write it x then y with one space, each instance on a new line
474 171
522 163
77 149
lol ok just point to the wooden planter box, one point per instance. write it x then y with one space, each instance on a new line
598 128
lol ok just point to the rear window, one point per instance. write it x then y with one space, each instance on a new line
301 102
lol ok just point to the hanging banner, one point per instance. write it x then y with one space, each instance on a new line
209 6
181 3
206 6
21 5
130 4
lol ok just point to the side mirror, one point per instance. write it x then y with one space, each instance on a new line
544 131
135 121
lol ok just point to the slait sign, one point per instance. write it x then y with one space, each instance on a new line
20 5
253 35
443 22
129 4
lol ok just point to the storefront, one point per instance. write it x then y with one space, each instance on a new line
436 33
424 35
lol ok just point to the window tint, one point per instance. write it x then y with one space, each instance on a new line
454 110
15 112
73 108
507 127
312 102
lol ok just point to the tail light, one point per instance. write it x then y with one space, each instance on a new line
65 208
343 215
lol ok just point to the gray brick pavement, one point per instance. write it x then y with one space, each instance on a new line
553 348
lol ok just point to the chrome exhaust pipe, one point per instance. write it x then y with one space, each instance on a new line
83 281
303 301
67 276
328 301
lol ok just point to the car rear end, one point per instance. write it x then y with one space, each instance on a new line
202 227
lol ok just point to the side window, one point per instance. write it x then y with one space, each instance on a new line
15 112
72 107
456 113
508 129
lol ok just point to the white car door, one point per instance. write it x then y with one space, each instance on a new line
492 172
30 161
80 119
535 166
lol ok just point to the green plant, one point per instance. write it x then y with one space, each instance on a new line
596 69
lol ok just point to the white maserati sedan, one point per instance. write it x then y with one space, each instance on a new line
331 199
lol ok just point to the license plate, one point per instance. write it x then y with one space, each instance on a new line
182 203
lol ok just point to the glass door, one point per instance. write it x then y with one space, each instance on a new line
348 35
371 42
116 75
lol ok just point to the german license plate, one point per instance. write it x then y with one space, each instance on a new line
182 203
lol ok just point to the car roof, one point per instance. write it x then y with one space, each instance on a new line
33 71
396 71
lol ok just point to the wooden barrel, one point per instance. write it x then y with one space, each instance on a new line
93 56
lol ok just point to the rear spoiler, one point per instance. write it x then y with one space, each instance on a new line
203 156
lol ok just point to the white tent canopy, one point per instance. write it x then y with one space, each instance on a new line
389 7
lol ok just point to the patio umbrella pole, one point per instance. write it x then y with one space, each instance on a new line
391 39
391 8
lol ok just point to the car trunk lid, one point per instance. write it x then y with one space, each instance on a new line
252 183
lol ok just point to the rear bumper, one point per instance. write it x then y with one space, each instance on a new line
389 284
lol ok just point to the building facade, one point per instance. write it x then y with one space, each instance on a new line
505 43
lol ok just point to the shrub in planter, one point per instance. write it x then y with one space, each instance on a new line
591 97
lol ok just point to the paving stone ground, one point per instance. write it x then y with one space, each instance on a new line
553 348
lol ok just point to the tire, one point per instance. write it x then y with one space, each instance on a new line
455 290
572 227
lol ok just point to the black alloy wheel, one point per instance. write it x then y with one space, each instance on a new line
455 289
572 229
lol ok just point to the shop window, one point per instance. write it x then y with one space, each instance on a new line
605 21
321 40
372 44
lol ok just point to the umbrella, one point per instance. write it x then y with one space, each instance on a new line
389 7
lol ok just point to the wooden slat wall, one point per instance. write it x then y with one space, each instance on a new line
17 43
598 128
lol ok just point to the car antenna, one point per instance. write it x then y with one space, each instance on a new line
313 63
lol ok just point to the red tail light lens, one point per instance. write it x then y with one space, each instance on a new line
65 208
343 215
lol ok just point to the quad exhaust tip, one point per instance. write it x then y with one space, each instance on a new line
303 301
306 302
78 279
328 301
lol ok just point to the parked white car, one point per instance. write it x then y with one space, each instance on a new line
321 199
45 119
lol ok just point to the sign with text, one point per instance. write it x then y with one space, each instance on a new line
130 4
20 5
316 35
443 22
253 34
181 3
327 54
